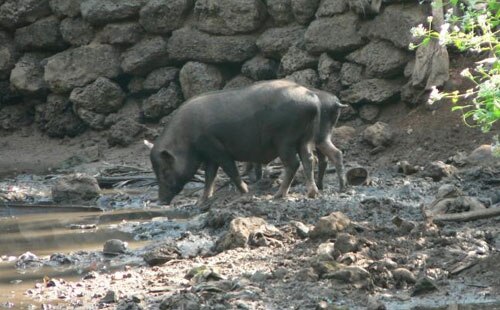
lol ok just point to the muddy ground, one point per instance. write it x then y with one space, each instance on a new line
390 254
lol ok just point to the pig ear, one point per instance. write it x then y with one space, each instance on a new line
167 157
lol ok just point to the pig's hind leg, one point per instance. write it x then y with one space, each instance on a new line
307 159
288 156
210 174
335 156
322 164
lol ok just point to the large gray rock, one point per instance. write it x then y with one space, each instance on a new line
296 59
395 22
307 77
8 95
159 78
105 11
164 102
17 13
125 33
342 34
76 31
80 66
327 66
8 55
102 96
124 132
381 59
63 8
379 134
190 44
351 73
260 68
14 117
332 84
304 10
329 8
75 188
239 81
275 42
369 112
229 16
365 7
164 16
197 78
146 55
43 34
94 120
331 225
27 75
56 117
280 11
371 91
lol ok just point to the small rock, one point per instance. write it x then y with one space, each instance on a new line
260 277
124 132
406 168
75 188
325 250
161 255
403 275
404 226
346 243
438 170
280 273
260 68
109 298
378 134
481 154
448 191
423 286
300 228
184 300
374 304
369 112
60 259
114 247
357 276
329 226
28 260
197 78
307 275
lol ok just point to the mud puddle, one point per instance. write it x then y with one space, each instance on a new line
64 244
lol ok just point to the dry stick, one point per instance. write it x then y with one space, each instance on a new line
467 216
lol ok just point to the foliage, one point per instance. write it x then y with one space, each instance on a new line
476 30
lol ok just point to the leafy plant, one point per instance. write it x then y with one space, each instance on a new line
476 30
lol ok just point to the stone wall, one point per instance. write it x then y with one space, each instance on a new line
71 65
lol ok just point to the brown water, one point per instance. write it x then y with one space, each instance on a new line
46 233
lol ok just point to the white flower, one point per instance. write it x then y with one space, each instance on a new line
443 34
429 19
434 96
418 31
465 72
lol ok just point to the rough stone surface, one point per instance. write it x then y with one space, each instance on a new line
369 112
94 120
190 44
41 35
329 226
159 78
229 16
350 73
275 42
342 35
164 16
260 68
332 84
380 58
280 11
91 61
295 59
327 66
345 243
8 55
56 117
102 96
62 8
238 81
304 10
125 33
378 134
240 231
76 31
13 117
124 132
307 77
17 13
438 170
375 91
197 78
113 247
27 75
329 8
160 255
75 188
405 16
105 11
342 136
146 55
162 103
8 95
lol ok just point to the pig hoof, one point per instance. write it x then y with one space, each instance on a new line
279 195
312 193
244 188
